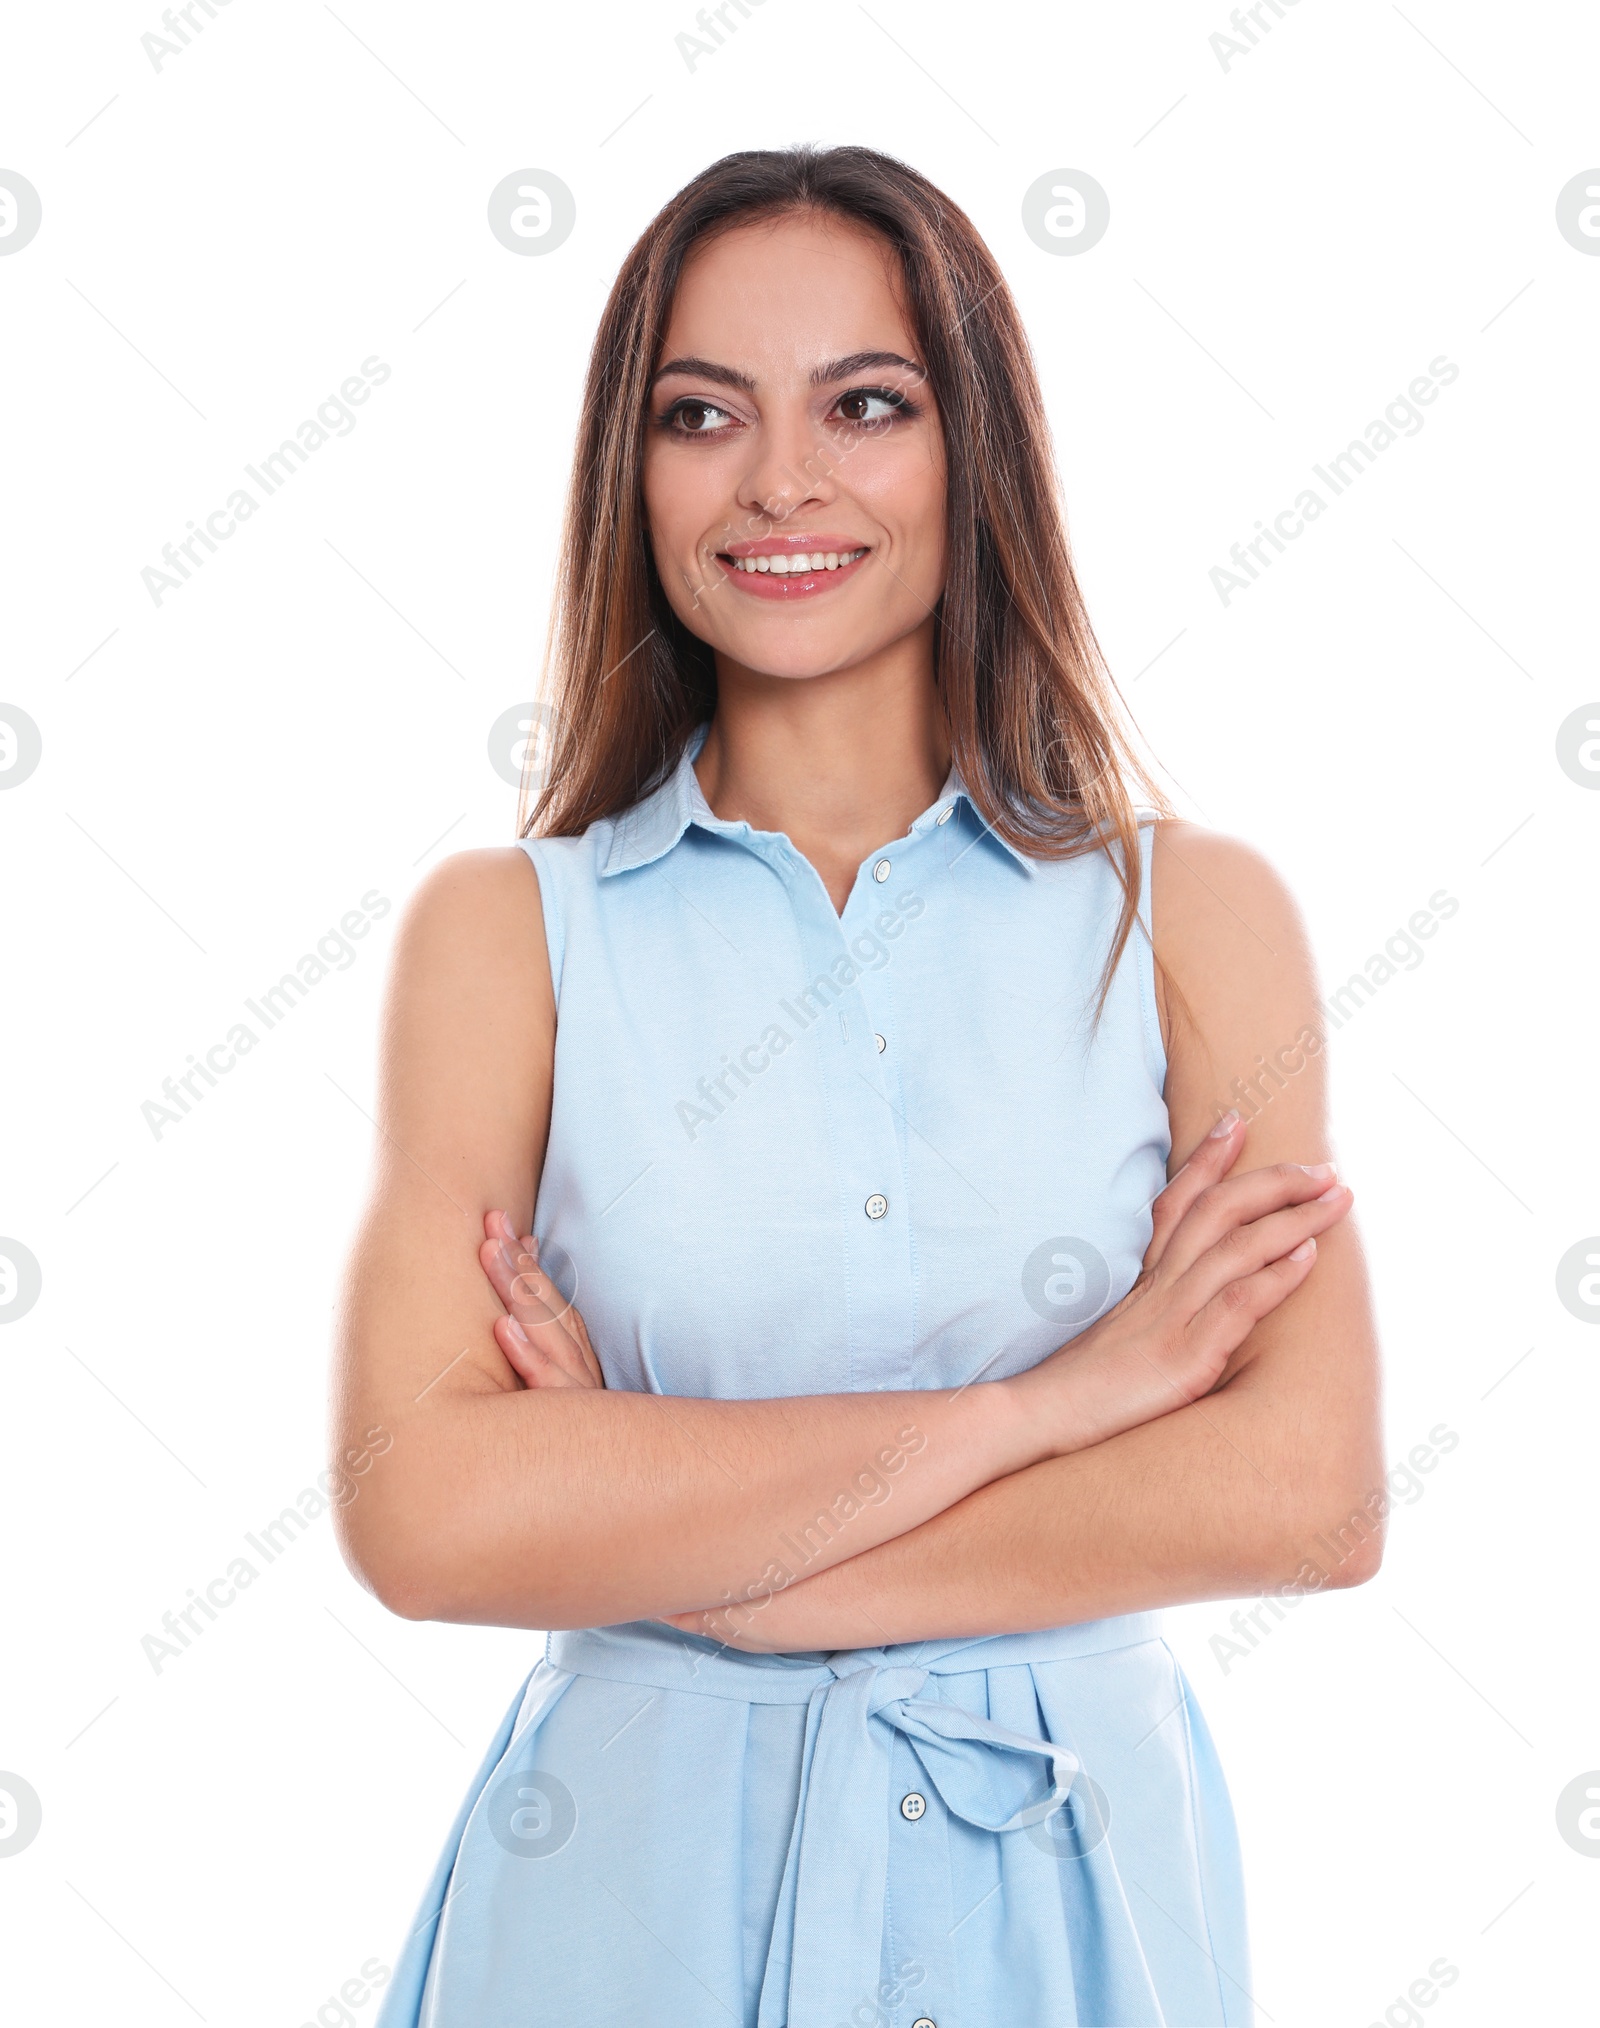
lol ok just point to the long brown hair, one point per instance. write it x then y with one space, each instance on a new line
1031 708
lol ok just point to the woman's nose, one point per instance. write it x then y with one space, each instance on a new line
792 465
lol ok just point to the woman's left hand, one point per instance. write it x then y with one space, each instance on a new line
542 1335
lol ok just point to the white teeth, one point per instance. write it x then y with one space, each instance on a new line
785 566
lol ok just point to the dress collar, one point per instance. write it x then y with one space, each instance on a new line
654 825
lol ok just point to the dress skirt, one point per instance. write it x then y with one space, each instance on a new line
1030 1829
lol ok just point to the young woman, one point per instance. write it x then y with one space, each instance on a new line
773 1280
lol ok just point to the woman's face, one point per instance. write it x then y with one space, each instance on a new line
794 469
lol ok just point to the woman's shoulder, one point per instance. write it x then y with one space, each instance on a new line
1207 886
472 886
1229 935
474 889
474 919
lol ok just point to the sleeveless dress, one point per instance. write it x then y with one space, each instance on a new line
794 1153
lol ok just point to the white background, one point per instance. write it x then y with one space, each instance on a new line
1293 239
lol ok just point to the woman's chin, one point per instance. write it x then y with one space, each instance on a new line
795 661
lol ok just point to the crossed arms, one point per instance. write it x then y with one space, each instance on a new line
1193 1445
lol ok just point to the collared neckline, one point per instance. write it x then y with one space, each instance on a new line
654 825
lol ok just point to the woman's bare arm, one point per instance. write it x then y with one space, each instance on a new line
1276 1477
558 1506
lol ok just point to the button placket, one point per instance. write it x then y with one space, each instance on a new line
867 1151
876 1205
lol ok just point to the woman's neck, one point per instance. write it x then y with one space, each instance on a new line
839 763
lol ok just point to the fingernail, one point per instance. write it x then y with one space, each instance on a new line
1334 1192
1304 1250
518 1333
1317 1171
1224 1126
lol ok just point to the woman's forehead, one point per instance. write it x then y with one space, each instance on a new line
789 292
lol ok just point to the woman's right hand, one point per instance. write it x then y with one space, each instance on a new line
1224 1252
542 1335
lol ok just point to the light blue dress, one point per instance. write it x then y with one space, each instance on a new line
794 1153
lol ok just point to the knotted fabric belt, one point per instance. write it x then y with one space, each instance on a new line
827 1937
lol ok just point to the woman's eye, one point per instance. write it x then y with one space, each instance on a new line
862 407
870 405
697 418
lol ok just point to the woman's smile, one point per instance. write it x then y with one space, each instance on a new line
792 566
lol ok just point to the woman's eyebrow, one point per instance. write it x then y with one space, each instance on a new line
861 362
706 369
832 369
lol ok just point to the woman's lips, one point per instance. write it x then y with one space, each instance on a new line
804 567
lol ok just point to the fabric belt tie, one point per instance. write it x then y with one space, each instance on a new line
826 1951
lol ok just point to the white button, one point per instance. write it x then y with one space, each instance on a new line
880 872
944 815
924 2023
882 1045
912 1806
876 1206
